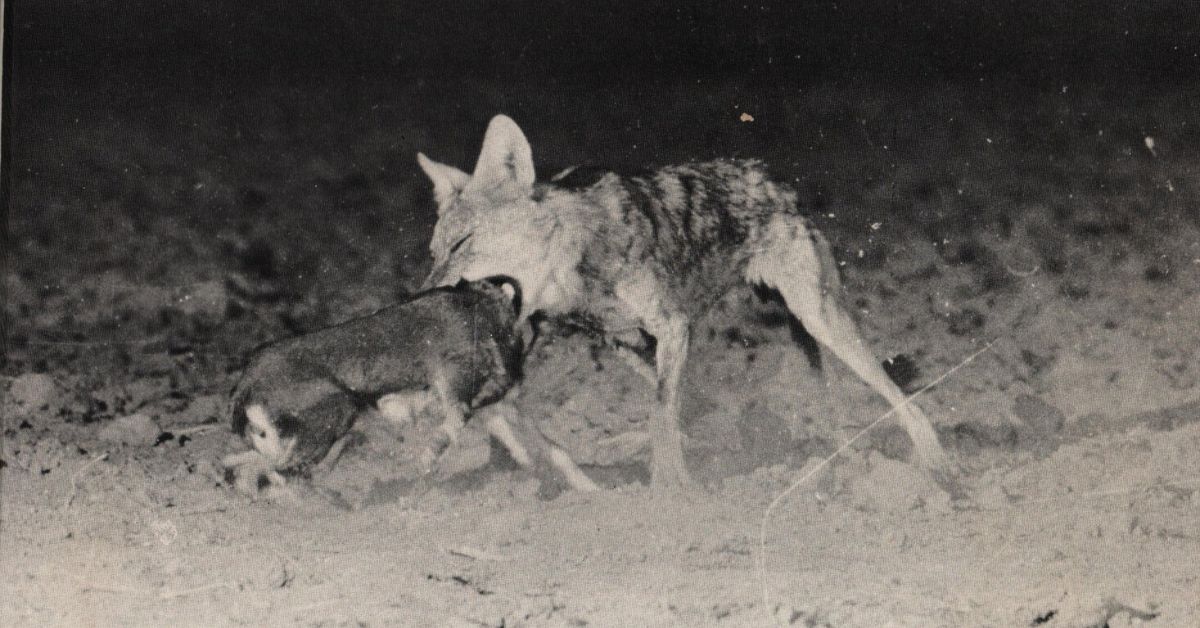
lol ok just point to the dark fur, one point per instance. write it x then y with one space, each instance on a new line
314 385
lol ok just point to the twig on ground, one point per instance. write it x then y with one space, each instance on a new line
170 594
203 511
300 610
195 429
1022 273
475 554
762 532
118 590
166 594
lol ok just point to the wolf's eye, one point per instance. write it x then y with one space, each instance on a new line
454 247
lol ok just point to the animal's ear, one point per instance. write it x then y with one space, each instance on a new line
505 162
510 288
448 181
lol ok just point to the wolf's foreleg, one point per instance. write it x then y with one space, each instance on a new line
667 466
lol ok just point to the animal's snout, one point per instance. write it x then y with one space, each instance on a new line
266 438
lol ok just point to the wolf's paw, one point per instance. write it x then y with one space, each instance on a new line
673 479
932 458
937 465
949 479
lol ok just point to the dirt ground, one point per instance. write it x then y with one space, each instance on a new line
1053 233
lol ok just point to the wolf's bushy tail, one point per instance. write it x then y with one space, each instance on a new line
795 259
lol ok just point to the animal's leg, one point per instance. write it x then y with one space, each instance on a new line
402 409
334 453
575 476
498 426
635 362
499 423
667 466
797 261
453 420
236 460
644 297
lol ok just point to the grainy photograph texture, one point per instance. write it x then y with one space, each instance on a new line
395 313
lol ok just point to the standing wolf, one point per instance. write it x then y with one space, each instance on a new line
649 252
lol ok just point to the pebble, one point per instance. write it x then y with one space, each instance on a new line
200 410
208 298
1038 414
893 486
34 391
134 429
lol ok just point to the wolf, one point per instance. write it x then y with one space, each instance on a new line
452 350
646 255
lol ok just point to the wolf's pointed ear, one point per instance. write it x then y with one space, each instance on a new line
509 288
505 161
448 181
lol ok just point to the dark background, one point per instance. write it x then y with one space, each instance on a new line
171 143
1101 40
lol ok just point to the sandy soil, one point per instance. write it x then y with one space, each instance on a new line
156 241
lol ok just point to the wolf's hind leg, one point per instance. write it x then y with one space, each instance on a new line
797 261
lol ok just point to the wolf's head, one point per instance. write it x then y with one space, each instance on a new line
491 222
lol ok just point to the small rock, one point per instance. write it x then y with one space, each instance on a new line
620 449
893 486
35 391
198 475
892 441
40 457
144 390
472 451
135 429
820 477
966 321
991 497
207 298
1038 414
199 410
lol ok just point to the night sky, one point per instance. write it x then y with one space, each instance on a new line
935 40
